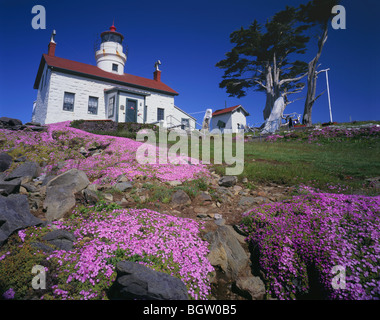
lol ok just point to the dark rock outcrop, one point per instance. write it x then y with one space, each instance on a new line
15 215
135 281
5 161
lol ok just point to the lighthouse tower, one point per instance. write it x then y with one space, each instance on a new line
110 56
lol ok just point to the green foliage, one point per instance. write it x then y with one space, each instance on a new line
16 271
257 53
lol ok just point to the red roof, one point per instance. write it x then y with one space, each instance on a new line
227 110
87 70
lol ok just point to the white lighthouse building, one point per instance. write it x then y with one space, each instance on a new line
71 90
110 56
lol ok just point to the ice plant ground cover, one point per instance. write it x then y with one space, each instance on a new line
318 231
299 240
57 150
106 235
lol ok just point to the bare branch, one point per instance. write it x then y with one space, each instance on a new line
289 102
260 83
315 99
292 79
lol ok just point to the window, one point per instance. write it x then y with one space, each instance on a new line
185 124
111 37
160 114
114 67
68 101
92 105
111 105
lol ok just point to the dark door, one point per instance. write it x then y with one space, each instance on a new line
131 112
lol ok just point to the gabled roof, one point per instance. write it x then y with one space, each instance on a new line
90 71
229 110
178 108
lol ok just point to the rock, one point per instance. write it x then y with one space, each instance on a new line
23 190
15 215
122 186
227 181
90 196
108 197
74 178
82 151
41 246
21 159
135 281
58 202
122 178
244 180
62 239
260 200
60 193
5 161
217 216
246 201
227 253
26 169
374 182
174 183
8 187
9 123
180 198
220 222
29 187
237 189
200 210
253 287
203 196
92 187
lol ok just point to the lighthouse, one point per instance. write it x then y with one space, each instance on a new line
110 56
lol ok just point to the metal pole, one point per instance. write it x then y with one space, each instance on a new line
328 94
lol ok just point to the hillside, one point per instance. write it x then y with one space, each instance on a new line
81 206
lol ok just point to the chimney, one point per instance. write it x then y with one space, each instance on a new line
52 44
51 49
157 75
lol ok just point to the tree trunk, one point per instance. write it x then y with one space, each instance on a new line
312 80
272 87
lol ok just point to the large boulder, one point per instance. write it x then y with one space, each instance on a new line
227 253
62 239
10 123
60 193
15 215
27 169
135 281
8 187
251 287
76 179
5 161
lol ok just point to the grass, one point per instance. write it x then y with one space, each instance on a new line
341 163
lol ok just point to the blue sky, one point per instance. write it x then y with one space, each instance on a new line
189 37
